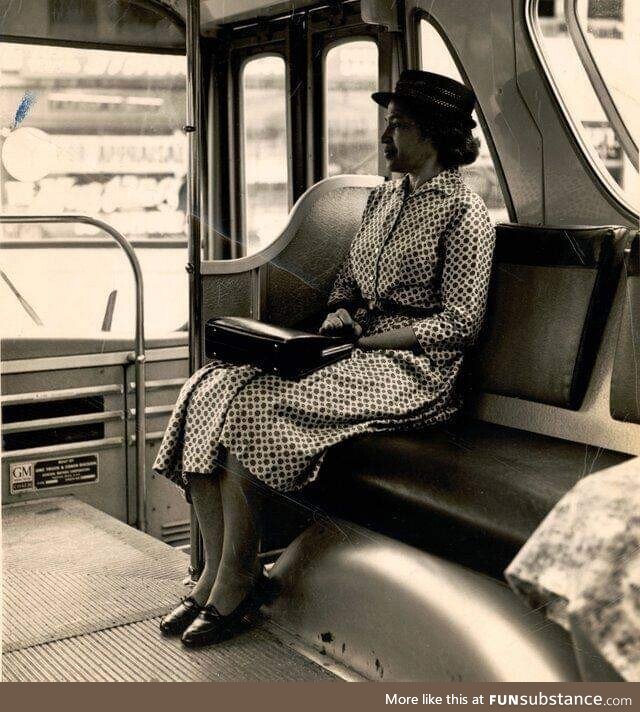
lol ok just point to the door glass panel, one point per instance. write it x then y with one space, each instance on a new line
266 190
480 176
96 132
351 76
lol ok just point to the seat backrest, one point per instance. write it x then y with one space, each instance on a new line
551 292
291 277
301 275
625 378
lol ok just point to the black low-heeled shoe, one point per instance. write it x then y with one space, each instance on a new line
181 617
212 627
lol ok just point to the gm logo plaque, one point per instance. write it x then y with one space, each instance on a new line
22 477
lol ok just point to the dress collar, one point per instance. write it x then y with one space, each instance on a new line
445 182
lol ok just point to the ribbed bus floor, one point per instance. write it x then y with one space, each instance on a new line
82 597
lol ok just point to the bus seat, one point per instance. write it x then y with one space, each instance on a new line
552 289
472 491
625 379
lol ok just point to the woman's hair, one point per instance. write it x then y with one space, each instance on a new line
454 142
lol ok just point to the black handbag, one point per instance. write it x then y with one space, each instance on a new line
287 352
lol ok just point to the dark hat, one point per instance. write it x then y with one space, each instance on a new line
436 93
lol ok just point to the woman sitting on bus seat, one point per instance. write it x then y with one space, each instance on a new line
412 292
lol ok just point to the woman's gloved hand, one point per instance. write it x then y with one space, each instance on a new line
341 323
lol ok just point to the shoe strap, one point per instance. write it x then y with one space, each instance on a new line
190 602
210 611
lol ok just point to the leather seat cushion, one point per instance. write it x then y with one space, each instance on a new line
471 491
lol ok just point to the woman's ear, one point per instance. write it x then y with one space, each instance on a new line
429 148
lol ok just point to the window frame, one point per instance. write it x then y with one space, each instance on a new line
324 125
596 168
421 15
239 227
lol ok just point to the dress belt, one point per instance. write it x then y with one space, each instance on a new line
385 307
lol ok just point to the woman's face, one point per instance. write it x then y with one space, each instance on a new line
404 147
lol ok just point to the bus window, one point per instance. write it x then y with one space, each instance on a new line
610 41
480 176
351 129
264 112
110 127
607 26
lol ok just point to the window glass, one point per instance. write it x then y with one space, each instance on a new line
265 151
95 132
480 176
118 23
351 76
607 25
610 40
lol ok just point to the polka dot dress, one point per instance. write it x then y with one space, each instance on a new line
420 259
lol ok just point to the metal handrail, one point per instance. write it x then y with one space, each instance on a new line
597 82
139 349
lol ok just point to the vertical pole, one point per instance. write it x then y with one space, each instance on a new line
194 129
220 174
297 49
141 425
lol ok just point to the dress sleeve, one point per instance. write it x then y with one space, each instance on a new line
466 271
345 291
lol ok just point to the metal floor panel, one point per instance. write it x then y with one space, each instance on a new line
138 653
82 596
62 534
69 569
42 606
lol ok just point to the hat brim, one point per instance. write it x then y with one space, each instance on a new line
385 97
